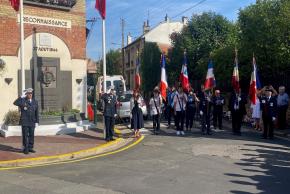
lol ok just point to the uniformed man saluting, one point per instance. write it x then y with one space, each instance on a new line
110 112
28 120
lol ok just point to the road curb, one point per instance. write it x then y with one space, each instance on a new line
103 149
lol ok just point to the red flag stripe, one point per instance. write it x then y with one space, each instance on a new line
101 6
15 4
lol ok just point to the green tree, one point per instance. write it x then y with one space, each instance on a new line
150 67
204 34
114 62
265 31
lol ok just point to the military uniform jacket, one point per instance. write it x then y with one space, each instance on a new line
218 103
29 111
238 103
269 106
110 102
205 105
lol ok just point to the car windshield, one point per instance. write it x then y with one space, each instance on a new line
125 98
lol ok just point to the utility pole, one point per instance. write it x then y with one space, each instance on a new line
123 45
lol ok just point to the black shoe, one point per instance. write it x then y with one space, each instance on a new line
32 151
271 138
112 139
107 139
209 133
25 152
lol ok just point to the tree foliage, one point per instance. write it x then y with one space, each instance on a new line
262 28
114 62
265 31
204 34
150 67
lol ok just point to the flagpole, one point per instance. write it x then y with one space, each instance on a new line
22 47
104 61
104 55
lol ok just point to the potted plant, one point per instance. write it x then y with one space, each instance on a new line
11 120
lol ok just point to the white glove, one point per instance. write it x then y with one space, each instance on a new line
23 95
115 115
36 124
201 113
273 118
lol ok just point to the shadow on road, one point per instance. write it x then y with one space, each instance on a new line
271 166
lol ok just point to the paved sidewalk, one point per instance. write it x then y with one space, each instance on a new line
11 147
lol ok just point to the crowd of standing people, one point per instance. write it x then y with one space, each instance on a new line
208 107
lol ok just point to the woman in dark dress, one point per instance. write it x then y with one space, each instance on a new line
137 121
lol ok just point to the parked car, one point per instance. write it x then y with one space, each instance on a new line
123 106
115 80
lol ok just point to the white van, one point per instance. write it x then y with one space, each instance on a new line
116 80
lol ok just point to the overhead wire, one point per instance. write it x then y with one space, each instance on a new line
186 10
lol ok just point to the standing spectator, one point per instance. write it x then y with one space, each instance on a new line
169 110
191 109
256 110
269 111
205 106
180 100
29 119
237 106
155 107
137 121
218 102
282 103
110 112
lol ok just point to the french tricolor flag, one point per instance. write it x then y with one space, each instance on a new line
184 75
254 84
137 75
163 83
210 79
235 76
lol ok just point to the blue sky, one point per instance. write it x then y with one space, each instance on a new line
135 12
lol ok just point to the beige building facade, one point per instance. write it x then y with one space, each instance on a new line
159 34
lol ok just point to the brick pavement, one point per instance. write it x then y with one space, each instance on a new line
10 148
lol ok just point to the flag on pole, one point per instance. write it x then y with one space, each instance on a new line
163 83
15 4
101 7
210 79
137 75
184 74
235 76
253 84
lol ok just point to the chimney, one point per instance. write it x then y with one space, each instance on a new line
167 19
129 39
184 20
146 27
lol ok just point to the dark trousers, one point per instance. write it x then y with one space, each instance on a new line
190 113
205 123
282 110
237 118
268 126
109 124
168 114
28 137
180 120
218 118
156 122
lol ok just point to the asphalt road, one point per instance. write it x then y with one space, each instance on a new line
221 163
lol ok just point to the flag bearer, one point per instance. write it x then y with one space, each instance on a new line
218 102
205 106
237 106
